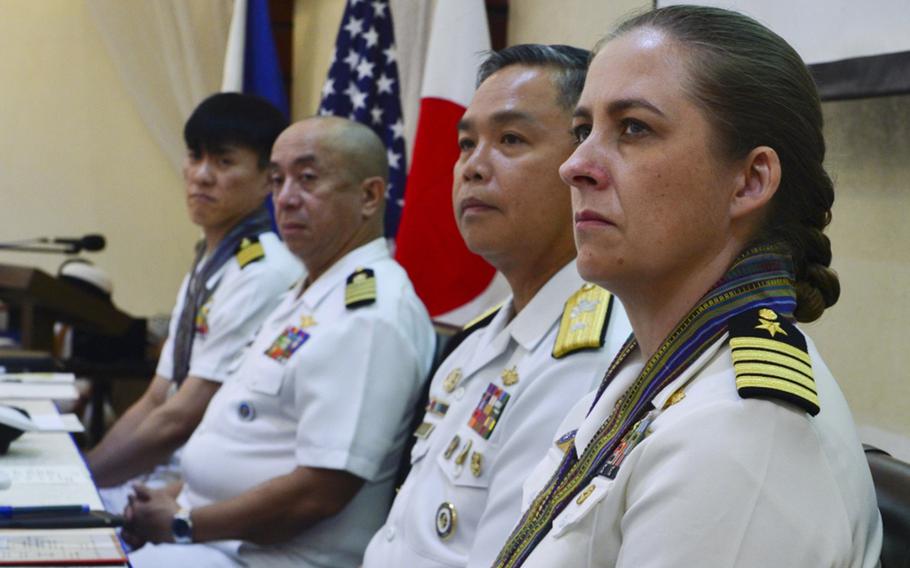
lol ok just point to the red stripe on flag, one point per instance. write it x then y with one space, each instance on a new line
444 272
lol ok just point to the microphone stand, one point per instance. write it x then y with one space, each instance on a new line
41 244
49 247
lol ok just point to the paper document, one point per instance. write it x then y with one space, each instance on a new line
49 548
57 423
48 422
39 378
49 485
38 390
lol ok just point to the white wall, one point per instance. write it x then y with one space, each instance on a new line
575 22
76 158
864 336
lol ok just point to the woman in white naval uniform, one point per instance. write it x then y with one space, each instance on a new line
718 438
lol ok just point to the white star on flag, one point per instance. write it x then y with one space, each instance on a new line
354 27
371 37
364 69
328 88
352 59
351 90
359 100
363 84
384 84
390 55
394 158
398 129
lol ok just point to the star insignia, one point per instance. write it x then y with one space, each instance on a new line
772 327
582 307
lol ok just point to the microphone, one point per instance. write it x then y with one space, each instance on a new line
90 243
67 245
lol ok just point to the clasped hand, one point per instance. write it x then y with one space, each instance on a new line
148 516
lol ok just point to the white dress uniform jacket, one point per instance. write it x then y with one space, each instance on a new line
486 496
243 296
323 386
719 481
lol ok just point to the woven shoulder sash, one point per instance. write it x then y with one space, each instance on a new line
760 277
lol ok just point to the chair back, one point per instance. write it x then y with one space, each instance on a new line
892 489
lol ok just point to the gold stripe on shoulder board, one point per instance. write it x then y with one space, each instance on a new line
771 359
361 289
584 320
250 250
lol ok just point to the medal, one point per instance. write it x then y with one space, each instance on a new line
446 519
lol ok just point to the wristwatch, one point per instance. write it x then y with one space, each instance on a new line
182 527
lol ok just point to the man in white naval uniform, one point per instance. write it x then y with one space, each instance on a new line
294 462
495 401
240 272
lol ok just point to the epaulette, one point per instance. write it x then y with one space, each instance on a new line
361 289
584 321
248 251
771 360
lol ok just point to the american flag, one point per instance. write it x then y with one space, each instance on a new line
363 85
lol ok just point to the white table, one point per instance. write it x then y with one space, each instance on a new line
48 469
